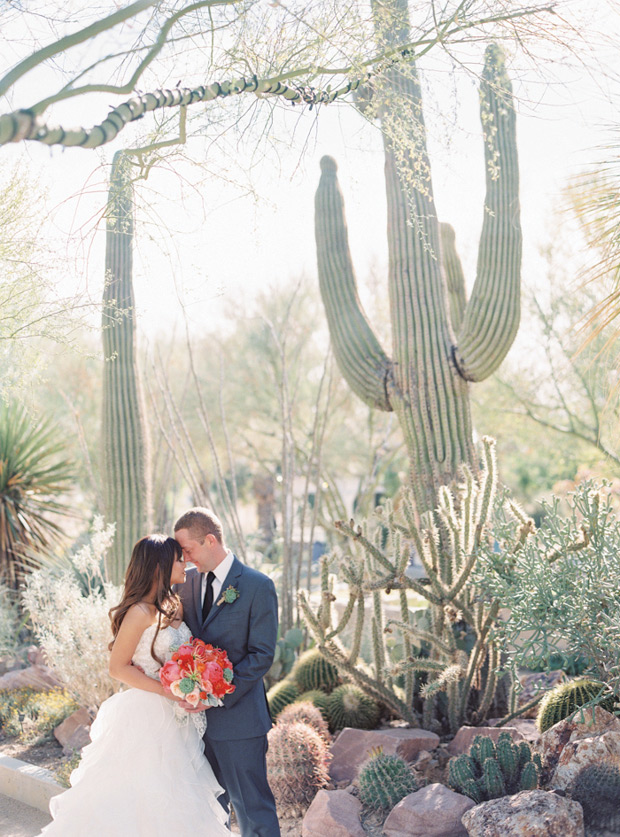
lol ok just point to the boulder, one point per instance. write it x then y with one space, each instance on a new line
74 732
534 813
333 813
351 748
598 749
590 723
434 811
37 677
526 726
462 740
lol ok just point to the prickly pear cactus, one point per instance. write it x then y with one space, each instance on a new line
384 781
563 700
349 706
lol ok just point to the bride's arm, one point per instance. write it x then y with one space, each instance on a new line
134 624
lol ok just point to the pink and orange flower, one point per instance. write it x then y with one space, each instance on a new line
198 673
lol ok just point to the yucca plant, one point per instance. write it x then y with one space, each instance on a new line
35 473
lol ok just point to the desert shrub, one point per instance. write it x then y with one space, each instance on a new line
30 715
10 621
64 771
560 583
69 612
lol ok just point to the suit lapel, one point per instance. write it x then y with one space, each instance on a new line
233 573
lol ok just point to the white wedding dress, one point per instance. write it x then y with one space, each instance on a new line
145 773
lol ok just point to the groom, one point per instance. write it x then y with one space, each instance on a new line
233 607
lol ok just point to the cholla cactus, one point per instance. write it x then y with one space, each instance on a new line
440 341
297 761
491 771
375 565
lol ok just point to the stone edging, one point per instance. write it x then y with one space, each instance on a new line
32 785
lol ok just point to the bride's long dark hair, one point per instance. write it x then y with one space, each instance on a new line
152 558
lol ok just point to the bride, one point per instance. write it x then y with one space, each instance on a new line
145 772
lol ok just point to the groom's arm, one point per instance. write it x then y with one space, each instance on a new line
262 637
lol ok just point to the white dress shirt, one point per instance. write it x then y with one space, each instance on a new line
221 571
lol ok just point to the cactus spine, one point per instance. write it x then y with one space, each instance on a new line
306 713
317 698
426 379
563 700
297 761
313 671
349 707
384 781
491 771
597 789
126 477
280 695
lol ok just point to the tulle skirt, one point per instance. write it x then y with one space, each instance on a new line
144 774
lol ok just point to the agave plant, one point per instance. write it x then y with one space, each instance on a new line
34 474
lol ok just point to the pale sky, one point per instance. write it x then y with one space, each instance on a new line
225 244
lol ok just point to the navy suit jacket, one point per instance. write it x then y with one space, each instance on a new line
247 630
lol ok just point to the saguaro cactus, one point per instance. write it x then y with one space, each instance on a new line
441 342
125 461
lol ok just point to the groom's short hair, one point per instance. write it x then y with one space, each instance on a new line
200 522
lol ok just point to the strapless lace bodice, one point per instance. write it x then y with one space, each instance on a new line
167 639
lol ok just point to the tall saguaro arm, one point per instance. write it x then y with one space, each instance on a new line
125 441
492 315
363 363
426 381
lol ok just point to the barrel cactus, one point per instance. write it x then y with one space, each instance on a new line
313 671
441 342
318 698
597 789
566 698
297 761
126 477
384 781
349 707
306 713
280 695
493 770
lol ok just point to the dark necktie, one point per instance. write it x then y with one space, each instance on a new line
208 599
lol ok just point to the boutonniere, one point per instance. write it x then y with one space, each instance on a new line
230 595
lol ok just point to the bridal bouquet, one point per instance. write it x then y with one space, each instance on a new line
198 673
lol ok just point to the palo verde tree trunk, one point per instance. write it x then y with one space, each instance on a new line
440 341
125 470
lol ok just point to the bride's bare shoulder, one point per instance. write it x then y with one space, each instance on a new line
141 613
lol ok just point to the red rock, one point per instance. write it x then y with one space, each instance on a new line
79 738
462 740
534 813
333 813
64 732
433 811
526 726
39 678
588 723
350 750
